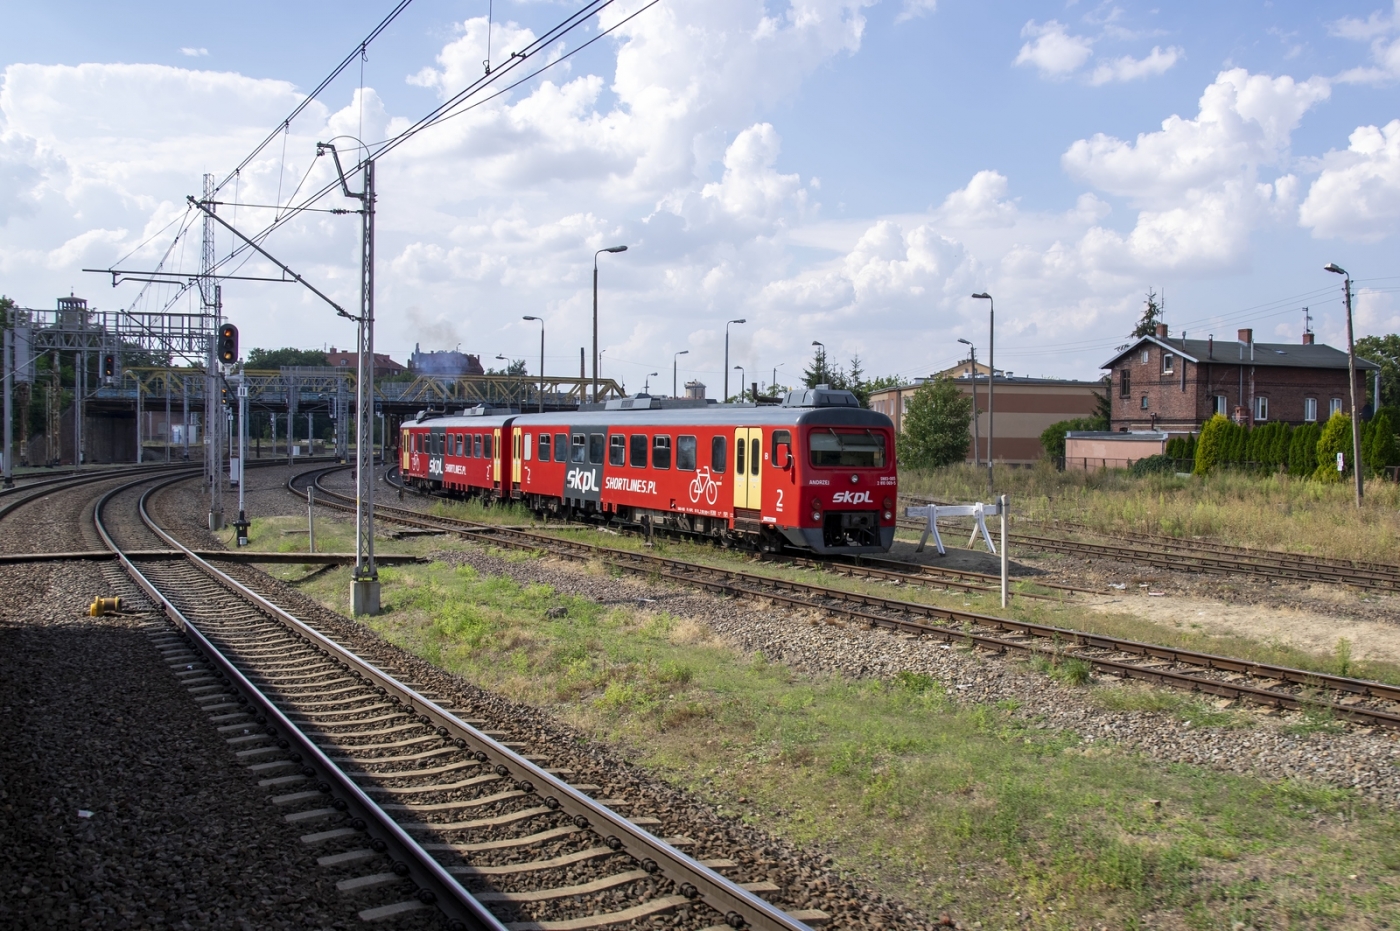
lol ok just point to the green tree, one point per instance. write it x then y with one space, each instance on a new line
937 426
1151 316
1382 452
1385 352
820 372
1336 438
1210 449
515 367
1052 438
1302 450
276 358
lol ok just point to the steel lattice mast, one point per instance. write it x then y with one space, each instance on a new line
209 292
365 584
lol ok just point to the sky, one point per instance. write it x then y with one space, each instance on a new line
847 172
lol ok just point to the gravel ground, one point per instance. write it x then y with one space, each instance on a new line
122 807
804 875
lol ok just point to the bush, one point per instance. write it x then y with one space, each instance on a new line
1154 465
1182 447
1052 438
937 426
1211 447
1382 451
1302 450
1336 438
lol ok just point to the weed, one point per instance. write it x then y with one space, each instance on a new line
914 681
1343 654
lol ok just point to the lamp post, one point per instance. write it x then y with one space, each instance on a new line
726 358
774 384
595 313
991 375
976 439
646 389
822 345
741 382
1351 382
675 356
540 321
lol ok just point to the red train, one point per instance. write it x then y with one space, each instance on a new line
815 473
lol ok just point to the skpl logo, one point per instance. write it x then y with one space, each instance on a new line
581 480
852 497
434 466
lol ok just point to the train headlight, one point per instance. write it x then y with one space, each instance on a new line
888 515
816 510
888 504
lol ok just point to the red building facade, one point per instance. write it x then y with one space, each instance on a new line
1175 384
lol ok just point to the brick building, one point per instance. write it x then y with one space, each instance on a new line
1022 409
383 365
1175 384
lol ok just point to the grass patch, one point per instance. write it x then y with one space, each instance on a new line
970 809
1272 512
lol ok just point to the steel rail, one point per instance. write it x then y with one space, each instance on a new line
854 605
442 890
30 492
695 881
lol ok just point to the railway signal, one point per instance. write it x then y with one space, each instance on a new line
228 344
109 366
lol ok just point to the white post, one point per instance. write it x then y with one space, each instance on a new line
1005 562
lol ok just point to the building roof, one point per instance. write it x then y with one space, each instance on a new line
1011 381
1234 352
1137 435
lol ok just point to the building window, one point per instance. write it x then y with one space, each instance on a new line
1144 358
1222 406
1335 407
1261 409
1168 363
1125 389
1144 402
1310 409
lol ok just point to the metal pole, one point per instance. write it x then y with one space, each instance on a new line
991 386
541 366
9 366
137 380
1005 560
242 443
310 518
595 326
365 584
185 412
167 416
1351 387
79 388
725 399
976 432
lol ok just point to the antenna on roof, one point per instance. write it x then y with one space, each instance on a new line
1307 321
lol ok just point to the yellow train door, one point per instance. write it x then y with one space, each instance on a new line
748 468
515 454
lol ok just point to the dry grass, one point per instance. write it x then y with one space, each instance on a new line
1273 512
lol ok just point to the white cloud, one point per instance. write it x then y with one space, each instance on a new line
1378 30
1357 194
1127 68
980 204
913 9
1053 50
750 188
194 52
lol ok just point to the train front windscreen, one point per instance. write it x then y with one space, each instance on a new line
863 450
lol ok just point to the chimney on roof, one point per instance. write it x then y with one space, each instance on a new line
1161 331
1210 346
1307 339
1247 336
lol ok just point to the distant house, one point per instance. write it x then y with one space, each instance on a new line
447 362
1022 409
1170 384
383 365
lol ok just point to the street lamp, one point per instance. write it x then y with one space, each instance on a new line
540 321
646 389
741 382
976 438
726 358
991 375
674 357
774 384
1335 269
595 313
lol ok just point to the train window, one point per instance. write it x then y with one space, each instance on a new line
476 446
718 454
685 453
461 443
617 450
661 452
544 447
638 450
740 456
595 447
580 449
755 451
561 447
781 437
848 450
486 445
525 438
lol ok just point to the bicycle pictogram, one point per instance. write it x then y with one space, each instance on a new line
704 484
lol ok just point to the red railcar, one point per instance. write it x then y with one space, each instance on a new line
815 473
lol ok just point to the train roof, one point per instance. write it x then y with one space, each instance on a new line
710 416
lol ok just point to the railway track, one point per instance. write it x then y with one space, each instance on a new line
1358 700
429 810
1214 558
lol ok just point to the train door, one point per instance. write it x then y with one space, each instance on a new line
516 454
404 452
748 464
496 453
